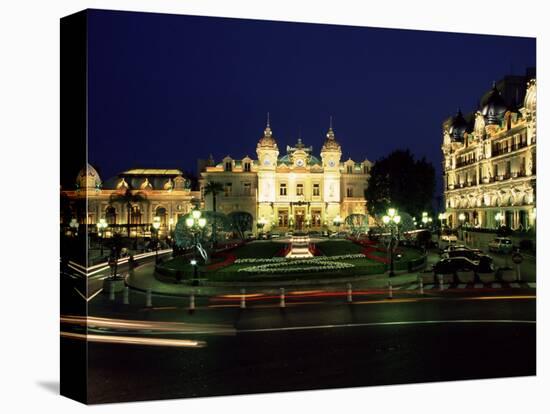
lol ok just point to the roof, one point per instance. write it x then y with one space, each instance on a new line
152 171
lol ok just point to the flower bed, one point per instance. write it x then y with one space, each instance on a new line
284 259
298 265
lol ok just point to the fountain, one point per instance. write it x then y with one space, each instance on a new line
299 246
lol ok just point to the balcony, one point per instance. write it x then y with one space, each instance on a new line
495 151
464 163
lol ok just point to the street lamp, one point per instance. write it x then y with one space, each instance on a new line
101 226
441 217
74 226
392 219
195 223
156 227
337 221
461 218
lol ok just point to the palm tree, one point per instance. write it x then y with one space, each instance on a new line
213 188
127 198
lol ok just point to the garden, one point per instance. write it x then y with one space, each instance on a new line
265 260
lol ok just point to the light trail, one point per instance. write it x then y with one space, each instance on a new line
131 340
136 325
394 323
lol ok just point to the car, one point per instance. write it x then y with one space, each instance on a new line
448 237
339 235
458 247
501 245
471 254
274 235
453 264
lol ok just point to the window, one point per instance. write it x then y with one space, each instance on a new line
246 167
495 170
316 218
299 189
349 191
283 218
246 189
110 215
350 169
316 190
282 189
227 189
228 166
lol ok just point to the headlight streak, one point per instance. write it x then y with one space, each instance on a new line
156 326
129 340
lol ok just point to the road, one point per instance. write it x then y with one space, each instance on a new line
318 340
316 345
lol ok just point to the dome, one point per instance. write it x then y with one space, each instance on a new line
88 178
268 140
458 127
330 142
493 106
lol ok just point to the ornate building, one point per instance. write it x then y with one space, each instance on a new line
294 191
136 196
490 159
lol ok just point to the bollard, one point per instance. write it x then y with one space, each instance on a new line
518 272
148 298
243 299
390 290
440 278
350 293
111 291
192 302
126 297
282 305
421 285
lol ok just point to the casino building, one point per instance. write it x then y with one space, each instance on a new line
135 196
296 190
489 158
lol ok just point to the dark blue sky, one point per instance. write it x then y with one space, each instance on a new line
165 90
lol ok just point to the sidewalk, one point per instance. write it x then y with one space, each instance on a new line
143 279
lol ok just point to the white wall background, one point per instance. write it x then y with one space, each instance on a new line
29 159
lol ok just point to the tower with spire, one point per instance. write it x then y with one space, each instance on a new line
331 152
268 154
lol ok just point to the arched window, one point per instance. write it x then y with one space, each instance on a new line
135 215
110 215
161 213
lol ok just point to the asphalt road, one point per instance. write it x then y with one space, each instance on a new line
312 346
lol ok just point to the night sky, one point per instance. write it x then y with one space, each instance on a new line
165 90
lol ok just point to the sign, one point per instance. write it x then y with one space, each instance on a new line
517 258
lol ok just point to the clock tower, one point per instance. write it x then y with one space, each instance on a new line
268 154
330 155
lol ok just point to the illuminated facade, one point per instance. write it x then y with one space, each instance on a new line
490 159
135 196
296 190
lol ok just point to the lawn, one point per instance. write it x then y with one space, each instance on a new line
269 249
339 247
258 250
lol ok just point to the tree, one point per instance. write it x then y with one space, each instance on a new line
184 237
357 222
213 188
400 181
241 221
127 198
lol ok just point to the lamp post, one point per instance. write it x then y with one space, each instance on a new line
498 219
441 217
337 221
461 218
195 223
392 219
156 228
74 226
101 226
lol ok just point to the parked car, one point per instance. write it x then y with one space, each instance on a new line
457 247
274 235
452 264
501 245
339 235
468 253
